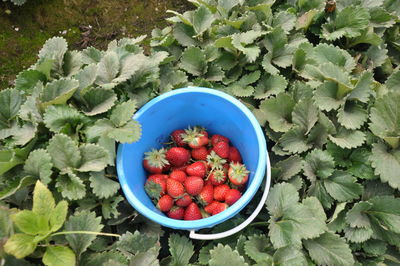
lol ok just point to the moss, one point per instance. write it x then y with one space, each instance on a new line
39 20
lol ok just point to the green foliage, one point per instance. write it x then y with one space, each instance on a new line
323 85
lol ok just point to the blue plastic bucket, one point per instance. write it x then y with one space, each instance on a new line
219 113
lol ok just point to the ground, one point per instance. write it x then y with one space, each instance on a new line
24 29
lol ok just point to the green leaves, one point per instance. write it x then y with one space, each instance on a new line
20 245
221 255
181 250
39 165
58 92
386 164
10 102
193 61
202 19
64 152
55 256
122 113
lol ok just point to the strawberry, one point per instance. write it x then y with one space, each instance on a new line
177 137
178 156
207 182
165 203
197 169
174 188
155 161
214 161
234 155
217 177
178 175
192 212
180 168
194 138
220 192
218 138
206 195
222 149
232 196
155 186
238 174
220 208
210 207
184 201
200 153
176 213
225 167
193 185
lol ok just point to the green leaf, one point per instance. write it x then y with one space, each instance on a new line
10 103
43 201
59 117
98 101
184 34
100 128
375 247
105 258
129 133
361 164
256 248
20 245
82 221
244 43
313 204
281 197
108 68
58 216
64 152
224 255
16 185
289 256
305 20
285 20
202 19
317 189
279 110
71 186
193 61
59 255
122 113
330 72
326 53
295 141
386 211
109 207
27 80
54 48
270 85
385 119
289 167
181 250
352 115
102 186
393 81
349 23
357 216
147 258
31 223
325 96
343 187
386 163
357 235
329 249
305 114
58 91
362 89
318 163
86 77
39 165
136 242
94 158
29 110
348 138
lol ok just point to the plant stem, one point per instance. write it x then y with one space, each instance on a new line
84 232
259 223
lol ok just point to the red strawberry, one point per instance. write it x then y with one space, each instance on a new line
220 192
200 153
184 201
192 212
234 155
195 138
217 177
238 174
193 185
218 138
165 203
174 188
197 169
155 161
232 196
178 175
222 149
177 137
220 208
210 207
178 156
156 186
180 168
207 182
176 213
206 195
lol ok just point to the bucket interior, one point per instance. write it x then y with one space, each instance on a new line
158 119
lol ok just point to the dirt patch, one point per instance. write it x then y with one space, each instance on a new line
23 30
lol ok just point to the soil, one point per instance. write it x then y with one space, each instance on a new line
24 29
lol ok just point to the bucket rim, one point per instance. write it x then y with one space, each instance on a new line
215 219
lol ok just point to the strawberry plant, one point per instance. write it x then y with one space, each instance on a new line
323 80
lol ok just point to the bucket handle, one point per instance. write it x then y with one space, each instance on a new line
245 223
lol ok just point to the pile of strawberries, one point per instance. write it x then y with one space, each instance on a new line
196 176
